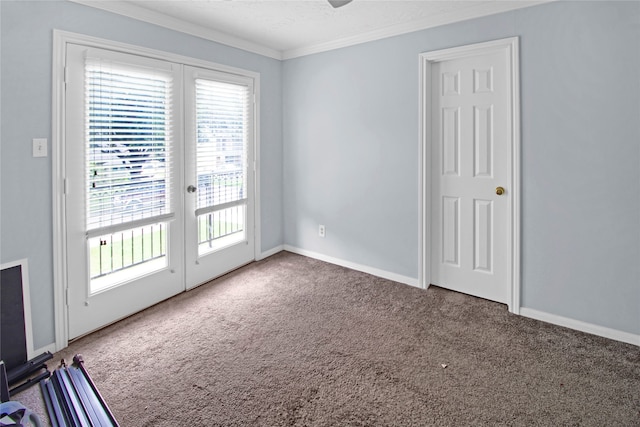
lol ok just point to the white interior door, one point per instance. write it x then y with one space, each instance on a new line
123 172
219 205
471 173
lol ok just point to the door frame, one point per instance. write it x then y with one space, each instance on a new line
427 60
58 147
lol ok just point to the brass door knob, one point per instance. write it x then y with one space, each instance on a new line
499 191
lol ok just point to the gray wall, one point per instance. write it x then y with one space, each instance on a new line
25 182
351 153
339 136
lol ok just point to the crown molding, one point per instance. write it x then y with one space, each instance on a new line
146 15
152 17
477 11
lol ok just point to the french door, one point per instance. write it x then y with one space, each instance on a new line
219 174
158 185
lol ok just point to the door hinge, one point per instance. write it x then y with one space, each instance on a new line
65 188
66 75
66 296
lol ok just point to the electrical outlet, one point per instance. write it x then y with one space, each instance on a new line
321 230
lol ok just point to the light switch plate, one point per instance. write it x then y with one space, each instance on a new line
39 147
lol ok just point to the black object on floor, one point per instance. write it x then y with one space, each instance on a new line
20 372
73 400
4 386
22 376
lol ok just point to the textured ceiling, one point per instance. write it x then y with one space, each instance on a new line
297 27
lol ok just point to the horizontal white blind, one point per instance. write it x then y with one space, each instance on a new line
128 148
222 126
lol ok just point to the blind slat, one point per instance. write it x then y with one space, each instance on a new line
221 133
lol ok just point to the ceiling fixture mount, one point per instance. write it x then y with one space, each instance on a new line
338 3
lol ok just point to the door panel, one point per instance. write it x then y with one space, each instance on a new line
123 169
219 208
470 137
483 141
483 236
451 231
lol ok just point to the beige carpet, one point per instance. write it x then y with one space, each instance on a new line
292 341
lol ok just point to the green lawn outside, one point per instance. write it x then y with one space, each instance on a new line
220 228
127 250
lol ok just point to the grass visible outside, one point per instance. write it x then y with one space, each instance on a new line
220 228
132 247
222 223
126 249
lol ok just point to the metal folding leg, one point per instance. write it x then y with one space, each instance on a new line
73 400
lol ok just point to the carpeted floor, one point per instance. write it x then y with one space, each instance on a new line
292 341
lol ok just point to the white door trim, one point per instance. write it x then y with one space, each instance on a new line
510 45
60 41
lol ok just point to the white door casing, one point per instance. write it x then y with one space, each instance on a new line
470 136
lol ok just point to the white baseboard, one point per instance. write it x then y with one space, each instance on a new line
272 251
578 325
352 265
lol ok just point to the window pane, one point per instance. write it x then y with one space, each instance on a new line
219 229
128 129
221 133
119 257
127 164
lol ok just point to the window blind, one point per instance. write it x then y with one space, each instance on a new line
129 143
222 114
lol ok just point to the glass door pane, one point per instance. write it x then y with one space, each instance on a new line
128 130
221 163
